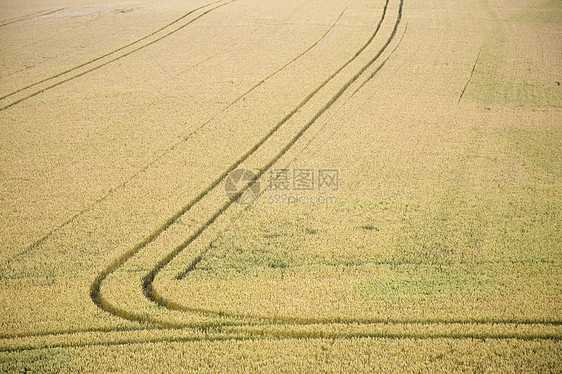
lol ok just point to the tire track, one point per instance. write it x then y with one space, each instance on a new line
203 327
42 239
95 289
109 53
471 75
375 72
149 279
264 322
174 146
279 25
20 18
89 70
30 16
255 335
237 100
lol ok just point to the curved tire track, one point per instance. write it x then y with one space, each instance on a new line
95 289
153 296
149 279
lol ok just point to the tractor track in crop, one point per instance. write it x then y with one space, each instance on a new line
257 336
470 76
270 323
30 16
149 279
327 122
95 290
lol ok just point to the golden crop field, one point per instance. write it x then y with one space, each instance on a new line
281 186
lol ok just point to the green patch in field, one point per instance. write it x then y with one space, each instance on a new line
451 228
488 86
538 146
34 361
296 236
549 11
416 286
240 259
492 89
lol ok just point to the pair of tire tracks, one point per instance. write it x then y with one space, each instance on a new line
152 296
261 336
149 279
114 55
73 218
30 16
43 238
316 136
95 289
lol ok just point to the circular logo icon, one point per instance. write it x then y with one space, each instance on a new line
242 186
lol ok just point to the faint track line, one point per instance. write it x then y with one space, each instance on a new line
30 16
225 50
20 18
272 74
263 335
471 75
175 82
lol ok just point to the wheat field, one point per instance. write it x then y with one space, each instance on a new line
281 186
